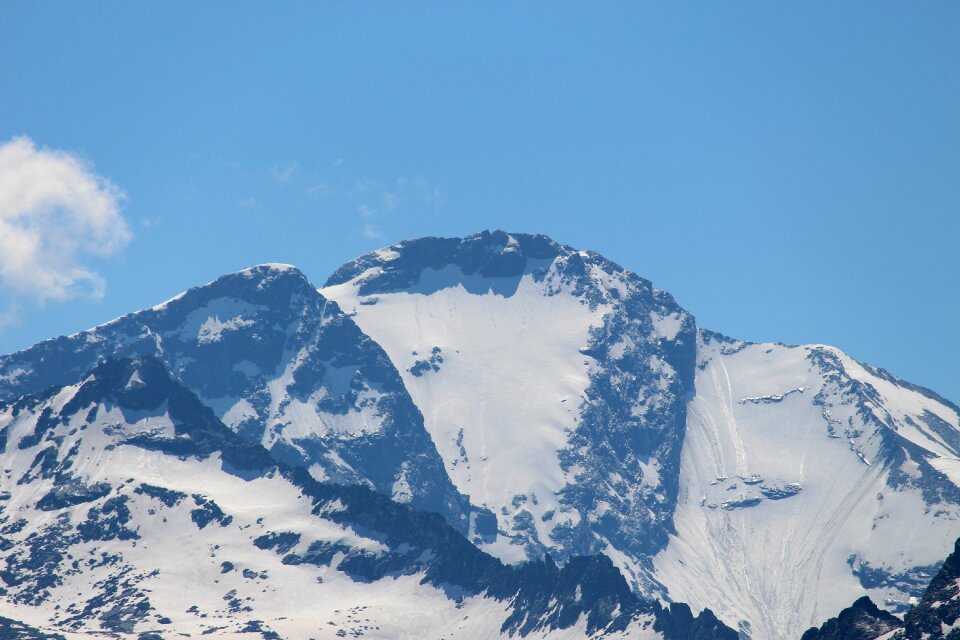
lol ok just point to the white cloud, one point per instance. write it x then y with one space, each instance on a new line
55 212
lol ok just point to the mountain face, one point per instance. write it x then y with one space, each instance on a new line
553 382
130 509
469 437
280 365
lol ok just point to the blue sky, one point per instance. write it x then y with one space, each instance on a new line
789 171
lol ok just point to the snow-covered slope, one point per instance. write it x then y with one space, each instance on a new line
281 365
551 380
128 509
808 480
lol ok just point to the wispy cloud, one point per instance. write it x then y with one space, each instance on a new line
55 212
379 201
372 231
283 172
382 201
322 188
10 315
424 189
390 200
366 185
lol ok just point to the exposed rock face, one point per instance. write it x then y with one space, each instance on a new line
937 616
863 620
282 366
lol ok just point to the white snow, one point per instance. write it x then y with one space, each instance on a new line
210 322
163 305
135 380
13 375
269 266
299 418
213 328
666 326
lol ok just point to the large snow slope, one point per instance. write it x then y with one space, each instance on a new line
806 481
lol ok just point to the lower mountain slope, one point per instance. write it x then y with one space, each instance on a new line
937 615
129 509
862 620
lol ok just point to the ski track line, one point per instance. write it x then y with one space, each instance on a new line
729 421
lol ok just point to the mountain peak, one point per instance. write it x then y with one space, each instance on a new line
264 274
488 253
278 267
255 281
260 275
248 313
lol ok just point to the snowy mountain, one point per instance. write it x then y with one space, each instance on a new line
701 465
131 510
553 382
469 437
280 365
